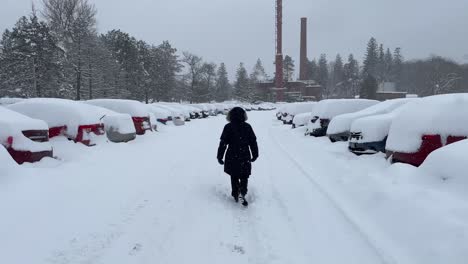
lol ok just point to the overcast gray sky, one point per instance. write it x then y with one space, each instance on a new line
234 31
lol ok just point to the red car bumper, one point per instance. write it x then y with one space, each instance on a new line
27 156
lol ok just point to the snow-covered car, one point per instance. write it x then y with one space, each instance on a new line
297 108
280 113
138 111
326 110
162 115
426 125
74 120
301 120
339 127
177 117
25 138
205 111
449 162
119 127
195 113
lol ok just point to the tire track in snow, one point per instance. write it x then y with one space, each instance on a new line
384 257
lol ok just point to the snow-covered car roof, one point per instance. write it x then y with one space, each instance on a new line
373 128
444 115
449 163
131 107
13 121
299 108
159 112
182 108
342 123
328 109
173 110
58 112
302 119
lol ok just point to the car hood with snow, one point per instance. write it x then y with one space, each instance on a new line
13 125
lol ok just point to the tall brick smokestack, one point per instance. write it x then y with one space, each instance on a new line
303 56
279 82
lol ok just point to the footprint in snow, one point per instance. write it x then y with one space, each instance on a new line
135 249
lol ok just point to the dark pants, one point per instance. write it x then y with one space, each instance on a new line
239 185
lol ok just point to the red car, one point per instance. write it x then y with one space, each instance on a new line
78 122
26 139
427 125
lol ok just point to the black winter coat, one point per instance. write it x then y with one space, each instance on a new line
241 143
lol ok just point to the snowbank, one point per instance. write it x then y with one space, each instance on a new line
449 164
444 115
59 112
131 107
342 123
6 162
12 124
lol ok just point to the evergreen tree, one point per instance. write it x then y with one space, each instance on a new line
312 70
397 65
73 22
194 64
165 68
371 58
125 52
381 64
369 88
322 76
338 75
208 89
258 75
242 84
288 68
388 65
30 59
223 86
351 77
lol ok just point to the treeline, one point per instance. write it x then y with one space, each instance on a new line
346 78
57 52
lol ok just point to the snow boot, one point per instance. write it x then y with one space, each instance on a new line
244 201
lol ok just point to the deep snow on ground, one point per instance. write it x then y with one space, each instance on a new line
164 199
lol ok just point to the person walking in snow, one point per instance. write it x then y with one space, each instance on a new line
240 141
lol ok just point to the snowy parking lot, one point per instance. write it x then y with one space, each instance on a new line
163 198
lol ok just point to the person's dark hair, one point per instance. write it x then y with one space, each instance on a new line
237 114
